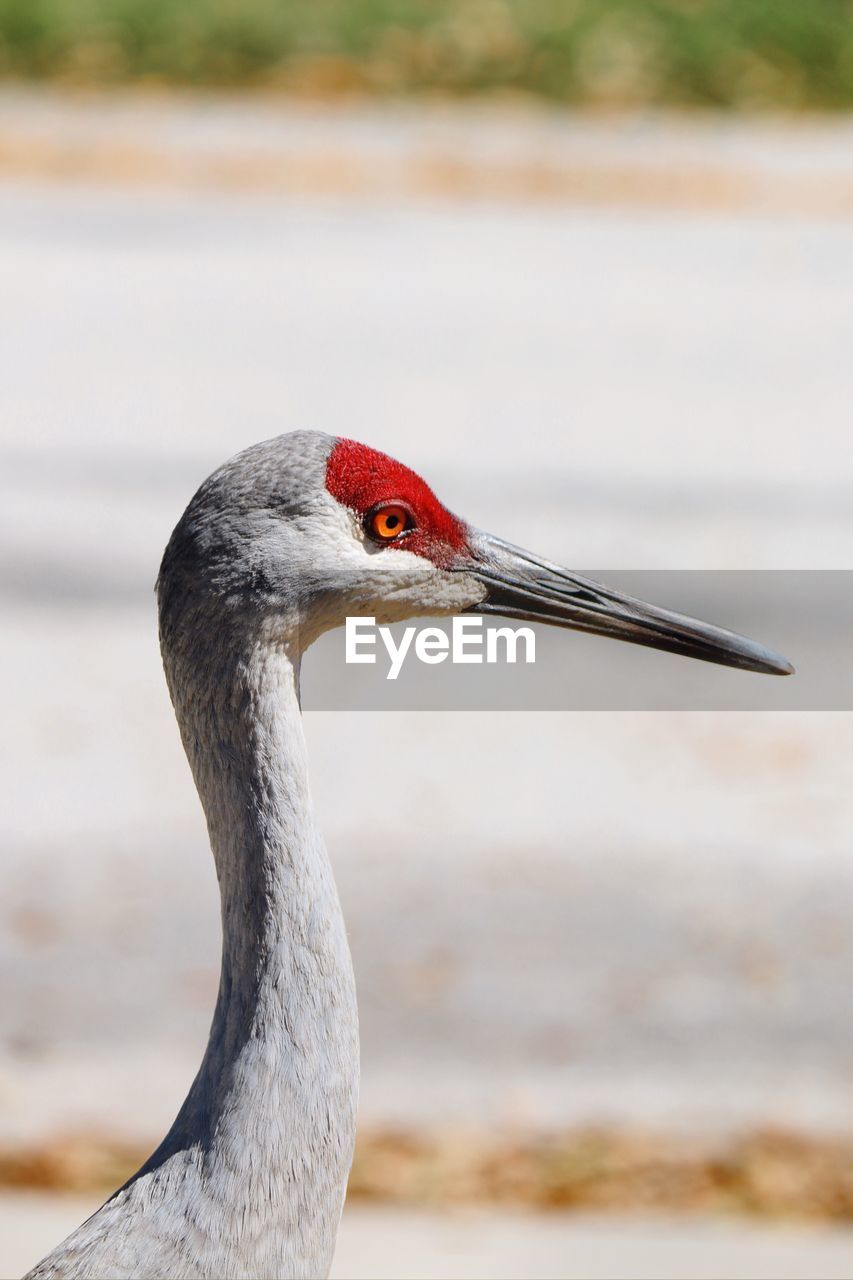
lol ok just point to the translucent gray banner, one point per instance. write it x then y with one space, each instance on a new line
804 615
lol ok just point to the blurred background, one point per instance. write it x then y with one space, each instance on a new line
588 266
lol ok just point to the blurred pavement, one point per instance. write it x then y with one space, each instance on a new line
555 918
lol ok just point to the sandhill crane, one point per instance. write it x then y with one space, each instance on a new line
280 544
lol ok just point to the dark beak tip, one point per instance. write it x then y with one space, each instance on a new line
773 664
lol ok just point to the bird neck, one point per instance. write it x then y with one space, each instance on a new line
274 1100
246 747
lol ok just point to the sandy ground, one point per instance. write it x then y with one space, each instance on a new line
517 152
555 918
377 1244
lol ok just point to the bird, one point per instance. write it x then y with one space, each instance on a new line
280 544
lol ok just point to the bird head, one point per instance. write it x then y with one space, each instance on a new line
296 533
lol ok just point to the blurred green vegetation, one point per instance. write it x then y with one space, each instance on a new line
717 53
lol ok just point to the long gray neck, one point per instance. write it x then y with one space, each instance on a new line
268 1126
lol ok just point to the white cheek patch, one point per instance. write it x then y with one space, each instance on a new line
336 526
390 584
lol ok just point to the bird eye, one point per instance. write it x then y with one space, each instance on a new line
387 523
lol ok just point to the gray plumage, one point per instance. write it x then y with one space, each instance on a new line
251 1177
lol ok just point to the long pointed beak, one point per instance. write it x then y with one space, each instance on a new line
521 585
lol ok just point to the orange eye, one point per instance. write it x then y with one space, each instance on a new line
389 522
